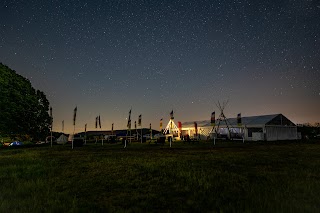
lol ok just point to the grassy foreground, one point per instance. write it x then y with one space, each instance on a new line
143 177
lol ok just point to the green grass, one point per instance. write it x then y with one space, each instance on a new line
231 176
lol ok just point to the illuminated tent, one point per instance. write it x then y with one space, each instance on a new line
62 139
253 128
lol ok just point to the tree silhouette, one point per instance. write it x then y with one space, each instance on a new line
24 110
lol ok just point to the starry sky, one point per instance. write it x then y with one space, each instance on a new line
155 56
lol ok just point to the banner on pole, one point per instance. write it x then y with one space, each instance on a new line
129 120
129 124
85 127
139 120
213 119
196 128
99 122
161 124
74 116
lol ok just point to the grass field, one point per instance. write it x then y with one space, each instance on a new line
231 176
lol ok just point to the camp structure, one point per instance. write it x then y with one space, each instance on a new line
62 139
253 128
16 143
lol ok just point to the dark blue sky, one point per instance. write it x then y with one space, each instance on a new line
154 56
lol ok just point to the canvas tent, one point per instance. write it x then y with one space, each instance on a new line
62 139
16 143
262 127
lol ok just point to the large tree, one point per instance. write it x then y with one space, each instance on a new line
23 110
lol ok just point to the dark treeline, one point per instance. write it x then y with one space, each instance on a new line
23 109
309 132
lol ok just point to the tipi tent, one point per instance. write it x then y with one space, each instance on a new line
62 139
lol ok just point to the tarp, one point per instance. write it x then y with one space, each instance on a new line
62 139
16 143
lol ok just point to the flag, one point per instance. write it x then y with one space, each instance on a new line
161 124
139 121
180 126
130 114
135 124
239 119
171 115
85 127
213 119
129 120
74 116
150 127
129 124
196 128
99 122
62 125
112 127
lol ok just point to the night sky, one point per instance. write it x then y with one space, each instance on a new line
156 56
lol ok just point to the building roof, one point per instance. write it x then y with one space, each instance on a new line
250 121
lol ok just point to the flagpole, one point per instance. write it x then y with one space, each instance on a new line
51 124
96 129
135 128
140 124
125 141
137 134
100 130
74 124
51 135
74 128
85 135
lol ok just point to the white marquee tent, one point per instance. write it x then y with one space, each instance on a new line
263 127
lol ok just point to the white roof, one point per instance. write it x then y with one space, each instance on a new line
250 121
